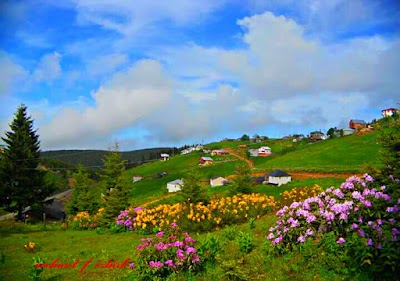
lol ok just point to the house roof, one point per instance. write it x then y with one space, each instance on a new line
164 155
391 109
217 177
357 121
265 147
178 181
278 173
207 158
259 180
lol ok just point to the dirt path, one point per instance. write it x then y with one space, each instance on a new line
234 153
158 199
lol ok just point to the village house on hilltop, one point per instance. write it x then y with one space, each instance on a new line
390 112
164 156
357 124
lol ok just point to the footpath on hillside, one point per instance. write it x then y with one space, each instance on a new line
237 155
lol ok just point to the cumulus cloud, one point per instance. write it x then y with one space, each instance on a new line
280 77
127 98
10 73
48 68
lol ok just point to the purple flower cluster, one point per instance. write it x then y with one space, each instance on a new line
170 250
128 217
343 209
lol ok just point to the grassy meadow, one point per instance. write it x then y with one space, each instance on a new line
72 245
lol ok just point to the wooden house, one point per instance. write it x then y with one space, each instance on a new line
205 161
357 124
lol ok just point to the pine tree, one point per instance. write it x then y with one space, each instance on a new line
116 193
22 183
241 183
81 199
192 190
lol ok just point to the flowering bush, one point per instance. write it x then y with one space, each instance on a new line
218 212
299 194
30 247
356 207
167 253
83 220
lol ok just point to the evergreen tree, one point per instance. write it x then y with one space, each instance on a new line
192 190
116 193
22 182
81 199
241 183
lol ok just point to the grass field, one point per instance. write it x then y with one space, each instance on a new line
347 154
70 246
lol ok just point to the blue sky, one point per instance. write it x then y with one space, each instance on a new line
161 73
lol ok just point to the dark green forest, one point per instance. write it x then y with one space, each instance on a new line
93 158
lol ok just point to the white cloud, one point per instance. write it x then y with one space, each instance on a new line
128 19
48 68
106 64
10 73
128 97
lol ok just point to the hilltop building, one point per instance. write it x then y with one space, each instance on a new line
390 112
164 156
357 124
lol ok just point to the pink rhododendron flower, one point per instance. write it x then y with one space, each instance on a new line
341 240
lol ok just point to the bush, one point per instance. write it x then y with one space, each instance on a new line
168 253
362 216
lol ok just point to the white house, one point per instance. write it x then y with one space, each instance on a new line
218 181
278 177
253 152
164 156
175 185
390 112
137 178
264 151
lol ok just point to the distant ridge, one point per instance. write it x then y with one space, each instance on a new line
93 158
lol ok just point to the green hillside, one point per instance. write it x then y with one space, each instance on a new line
347 154
175 168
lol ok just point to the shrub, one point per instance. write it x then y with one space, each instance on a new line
198 217
167 253
362 216
246 242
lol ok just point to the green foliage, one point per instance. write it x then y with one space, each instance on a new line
116 193
230 232
252 223
22 182
116 228
245 241
241 183
208 249
193 190
34 272
245 138
81 199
